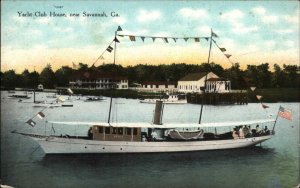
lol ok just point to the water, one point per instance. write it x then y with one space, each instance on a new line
23 163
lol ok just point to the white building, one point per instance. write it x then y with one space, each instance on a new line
158 87
194 82
98 81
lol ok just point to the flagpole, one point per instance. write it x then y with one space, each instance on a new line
275 121
200 117
110 104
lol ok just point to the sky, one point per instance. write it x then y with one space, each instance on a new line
253 32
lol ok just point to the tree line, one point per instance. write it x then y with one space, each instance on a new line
254 75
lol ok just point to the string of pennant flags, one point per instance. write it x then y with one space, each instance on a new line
41 114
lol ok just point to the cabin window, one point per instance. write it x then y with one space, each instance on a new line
134 131
120 130
107 130
100 129
115 130
128 131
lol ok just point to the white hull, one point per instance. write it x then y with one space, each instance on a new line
57 145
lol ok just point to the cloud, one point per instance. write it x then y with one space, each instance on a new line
44 20
270 43
119 20
35 32
240 28
205 30
233 15
289 43
193 13
148 16
284 31
259 10
64 30
269 19
291 19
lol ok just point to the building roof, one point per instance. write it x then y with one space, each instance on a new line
194 76
216 79
95 75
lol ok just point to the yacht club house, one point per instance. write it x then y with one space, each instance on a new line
194 83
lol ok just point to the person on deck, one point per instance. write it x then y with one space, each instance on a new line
235 134
266 131
241 133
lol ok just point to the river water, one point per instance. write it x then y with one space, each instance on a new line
23 163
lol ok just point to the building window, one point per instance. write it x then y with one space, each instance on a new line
100 129
120 131
107 130
115 130
156 86
166 85
134 131
128 131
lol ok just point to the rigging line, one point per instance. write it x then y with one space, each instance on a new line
102 53
222 52
121 35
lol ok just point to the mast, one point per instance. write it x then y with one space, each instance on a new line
115 40
205 77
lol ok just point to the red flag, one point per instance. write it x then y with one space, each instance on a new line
41 115
284 113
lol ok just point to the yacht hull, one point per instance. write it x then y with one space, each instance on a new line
59 145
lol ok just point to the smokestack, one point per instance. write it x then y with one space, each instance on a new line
157 119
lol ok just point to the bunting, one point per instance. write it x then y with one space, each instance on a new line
40 115
174 39
227 55
153 38
31 123
252 88
206 38
197 39
223 49
109 49
265 106
166 40
116 40
70 91
101 57
143 39
119 28
258 97
186 39
214 34
132 38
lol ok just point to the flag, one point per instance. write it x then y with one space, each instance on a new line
166 40
252 88
285 113
132 38
31 123
116 40
227 55
223 49
258 97
119 29
213 34
61 99
265 106
143 38
109 48
186 39
41 115
174 39
153 38
70 91
197 39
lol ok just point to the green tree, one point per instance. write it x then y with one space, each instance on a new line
47 77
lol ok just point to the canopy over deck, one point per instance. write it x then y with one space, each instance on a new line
167 125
